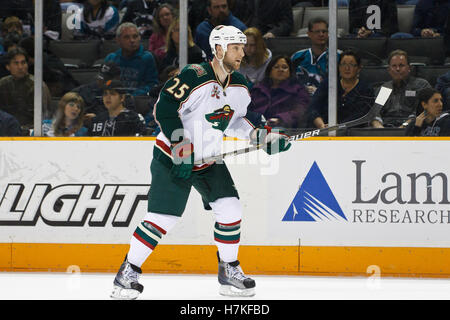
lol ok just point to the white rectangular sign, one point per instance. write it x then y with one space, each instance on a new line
319 193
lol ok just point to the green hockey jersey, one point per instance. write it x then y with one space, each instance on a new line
196 105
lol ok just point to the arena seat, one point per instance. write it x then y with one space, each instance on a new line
374 75
420 50
287 45
431 73
405 14
297 14
81 54
84 76
371 50
143 104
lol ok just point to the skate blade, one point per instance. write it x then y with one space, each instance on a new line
124 294
231 291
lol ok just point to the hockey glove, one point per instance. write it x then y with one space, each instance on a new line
274 140
183 159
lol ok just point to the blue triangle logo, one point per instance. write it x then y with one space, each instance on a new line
314 200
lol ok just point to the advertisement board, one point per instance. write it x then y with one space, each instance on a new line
329 195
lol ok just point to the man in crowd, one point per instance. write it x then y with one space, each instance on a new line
219 14
138 67
17 90
312 63
400 108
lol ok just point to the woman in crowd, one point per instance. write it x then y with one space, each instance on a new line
281 99
68 121
164 16
257 56
195 54
97 19
430 121
354 97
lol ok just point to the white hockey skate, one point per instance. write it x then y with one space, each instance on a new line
126 285
233 281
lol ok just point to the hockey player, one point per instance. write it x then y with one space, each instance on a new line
195 110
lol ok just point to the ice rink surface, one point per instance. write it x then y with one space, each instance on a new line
91 286
179 297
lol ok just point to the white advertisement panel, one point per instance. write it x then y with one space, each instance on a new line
319 193
363 193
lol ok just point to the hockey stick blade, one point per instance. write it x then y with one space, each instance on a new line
380 101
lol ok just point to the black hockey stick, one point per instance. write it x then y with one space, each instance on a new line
381 99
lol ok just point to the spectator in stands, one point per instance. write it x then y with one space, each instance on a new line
354 97
272 18
430 120
164 16
195 54
311 64
364 24
257 56
68 120
198 11
92 92
10 41
280 98
12 29
97 20
17 90
138 67
118 120
443 86
219 14
430 17
140 12
400 108
12 24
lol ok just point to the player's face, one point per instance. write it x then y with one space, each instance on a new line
434 105
72 110
233 56
112 99
399 68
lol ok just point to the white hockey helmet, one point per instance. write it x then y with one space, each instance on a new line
225 35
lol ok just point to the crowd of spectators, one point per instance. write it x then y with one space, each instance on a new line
286 91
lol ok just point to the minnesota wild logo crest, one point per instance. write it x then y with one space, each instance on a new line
220 118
